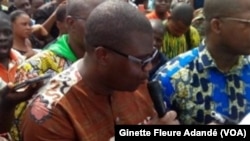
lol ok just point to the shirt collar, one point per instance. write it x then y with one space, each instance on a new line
205 60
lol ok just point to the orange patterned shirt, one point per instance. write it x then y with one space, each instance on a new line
67 109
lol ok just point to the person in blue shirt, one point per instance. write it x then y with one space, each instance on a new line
214 76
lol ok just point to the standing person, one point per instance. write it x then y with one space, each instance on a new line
35 4
46 16
161 11
22 31
59 55
198 22
97 92
180 36
215 76
23 5
160 59
61 24
9 60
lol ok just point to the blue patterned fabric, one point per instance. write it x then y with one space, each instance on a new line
195 87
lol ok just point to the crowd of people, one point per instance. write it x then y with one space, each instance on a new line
101 55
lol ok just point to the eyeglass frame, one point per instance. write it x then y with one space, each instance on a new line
236 19
142 62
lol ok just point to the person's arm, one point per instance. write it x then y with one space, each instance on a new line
6 113
39 31
50 123
52 18
40 63
8 101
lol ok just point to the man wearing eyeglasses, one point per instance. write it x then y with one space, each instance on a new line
59 55
214 76
105 88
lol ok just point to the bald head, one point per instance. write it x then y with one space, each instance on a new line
183 12
112 22
223 8
75 7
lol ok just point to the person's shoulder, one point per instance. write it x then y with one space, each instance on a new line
18 56
193 29
60 85
151 15
37 61
177 63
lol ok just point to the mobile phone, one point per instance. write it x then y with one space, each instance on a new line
32 80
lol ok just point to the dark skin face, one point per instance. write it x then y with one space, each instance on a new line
238 42
36 4
123 74
162 6
228 37
6 39
22 26
23 5
176 28
158 39
75 26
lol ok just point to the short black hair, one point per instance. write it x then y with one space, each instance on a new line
111 24
221 8
15 14
183 12
74 7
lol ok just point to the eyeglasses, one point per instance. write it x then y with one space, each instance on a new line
237 19
143 62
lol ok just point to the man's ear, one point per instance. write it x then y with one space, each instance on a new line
69 22
101 55
216 25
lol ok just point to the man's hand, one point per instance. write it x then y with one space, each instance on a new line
10 97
